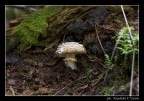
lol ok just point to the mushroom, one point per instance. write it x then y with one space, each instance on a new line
69 50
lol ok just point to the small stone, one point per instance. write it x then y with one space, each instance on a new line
40 64
8 74
11 82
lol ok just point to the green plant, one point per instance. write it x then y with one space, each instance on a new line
108 62
122 88
125 44
29 30
91 74
106 90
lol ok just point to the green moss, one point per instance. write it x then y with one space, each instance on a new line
106 90
122 88
33 26
91 74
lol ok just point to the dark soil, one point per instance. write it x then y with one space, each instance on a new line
41 73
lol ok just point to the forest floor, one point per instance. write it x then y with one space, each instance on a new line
41 73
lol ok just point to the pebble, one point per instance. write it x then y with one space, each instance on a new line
11 82
40 64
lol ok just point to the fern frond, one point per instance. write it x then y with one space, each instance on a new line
108 62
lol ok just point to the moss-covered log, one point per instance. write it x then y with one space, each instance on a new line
47 25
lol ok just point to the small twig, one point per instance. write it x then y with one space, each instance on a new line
40 93
102 50
106 28
81 92
65 33
63 88
101 76
127 25
106 75
133 59
67 86
114 49
64 37
24 7
99 39
11 89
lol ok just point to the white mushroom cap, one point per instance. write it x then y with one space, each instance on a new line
70 48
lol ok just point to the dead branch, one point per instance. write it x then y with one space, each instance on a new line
68 85
96 29
12 91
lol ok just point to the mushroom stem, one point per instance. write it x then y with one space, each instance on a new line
70 62
70 55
